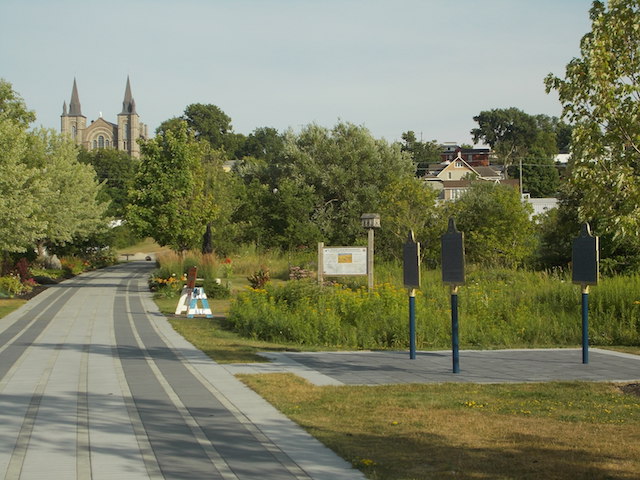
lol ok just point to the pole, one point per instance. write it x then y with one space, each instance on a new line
454 329
520 177
412 324
585 323
370 259
320 263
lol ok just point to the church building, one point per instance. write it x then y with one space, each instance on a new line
122 135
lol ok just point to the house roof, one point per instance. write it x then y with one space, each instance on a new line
487 172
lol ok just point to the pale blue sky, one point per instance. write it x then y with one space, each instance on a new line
391 65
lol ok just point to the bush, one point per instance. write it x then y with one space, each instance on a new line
213 289
10 286
260 278
101 258
498 308
73 265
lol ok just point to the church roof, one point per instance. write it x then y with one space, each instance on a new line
74 106
128 104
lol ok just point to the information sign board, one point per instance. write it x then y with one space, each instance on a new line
339 261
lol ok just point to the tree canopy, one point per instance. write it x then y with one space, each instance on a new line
496 224
169 201
115 171
70 208
600 96
46 196
422 153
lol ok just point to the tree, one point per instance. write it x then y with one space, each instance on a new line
71 209
422 153
347 170
508 132
21 189
600 96
513 134
12 106
263 143
316 186
220 195
115 170
168 201
496 225
407 205
208 122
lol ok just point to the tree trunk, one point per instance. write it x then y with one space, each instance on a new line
207 246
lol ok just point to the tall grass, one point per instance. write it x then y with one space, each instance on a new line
498 308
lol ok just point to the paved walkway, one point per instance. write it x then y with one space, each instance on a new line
95 384
477 366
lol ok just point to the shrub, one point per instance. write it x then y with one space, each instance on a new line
11 285
260 278
498 308
73 265
213 289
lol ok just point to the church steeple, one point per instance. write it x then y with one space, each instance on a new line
128 104
74 106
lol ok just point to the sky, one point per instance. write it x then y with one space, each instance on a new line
391 65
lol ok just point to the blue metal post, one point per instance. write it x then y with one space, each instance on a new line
585 324
412 324
454 329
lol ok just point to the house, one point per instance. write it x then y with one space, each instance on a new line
454 175
540 205
473 156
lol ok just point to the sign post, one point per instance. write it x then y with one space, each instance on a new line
585 259
411 274
370 221
453 274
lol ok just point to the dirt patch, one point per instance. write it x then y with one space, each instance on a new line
631 389
34 291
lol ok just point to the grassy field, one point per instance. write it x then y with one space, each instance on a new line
146 246
467 431
8 305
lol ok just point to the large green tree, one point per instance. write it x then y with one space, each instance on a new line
71 209
168 201
600 96
348 169
318 185
115 170
496 224
21 190
422 153
209 123
520 139
13 107
46 196
407 204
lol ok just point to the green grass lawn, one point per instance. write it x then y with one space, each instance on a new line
8 305
148 245
468 431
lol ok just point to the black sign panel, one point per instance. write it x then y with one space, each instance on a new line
585 258
453 255
411 262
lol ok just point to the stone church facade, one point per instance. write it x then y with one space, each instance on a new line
122 135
